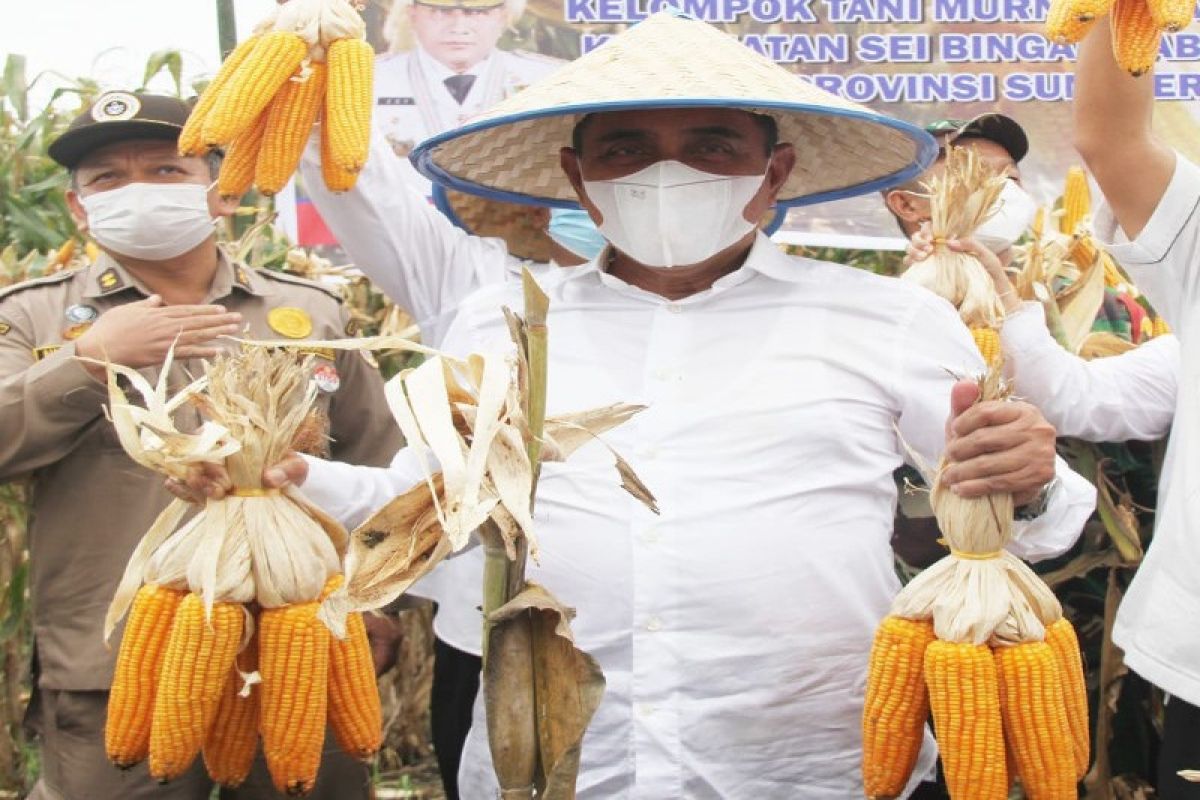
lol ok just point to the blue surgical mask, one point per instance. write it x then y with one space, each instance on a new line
574 230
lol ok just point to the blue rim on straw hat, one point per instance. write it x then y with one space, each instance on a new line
510 151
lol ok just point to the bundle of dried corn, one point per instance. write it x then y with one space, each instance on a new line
1137 26
960 200
309 60
246 574
979 640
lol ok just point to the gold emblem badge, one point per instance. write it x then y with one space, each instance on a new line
4 327
47 350
109 279
75 331
115 107
294 323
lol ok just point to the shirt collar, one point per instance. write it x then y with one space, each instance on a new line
764 258
439 71
106 277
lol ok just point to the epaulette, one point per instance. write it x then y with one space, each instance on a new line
287 277
45 280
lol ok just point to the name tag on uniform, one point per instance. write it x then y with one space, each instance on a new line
396 101
45 351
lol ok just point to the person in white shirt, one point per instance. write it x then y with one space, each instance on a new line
734 629
445 67
1152 213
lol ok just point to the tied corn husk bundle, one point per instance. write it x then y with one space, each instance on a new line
308 61
223 641
979 640
961 199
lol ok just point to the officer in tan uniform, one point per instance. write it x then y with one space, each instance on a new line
449 69
161 276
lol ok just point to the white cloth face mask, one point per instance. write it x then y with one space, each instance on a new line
671 215
150 221
1015 210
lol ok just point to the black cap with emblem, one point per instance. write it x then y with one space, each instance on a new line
116 116
1004 131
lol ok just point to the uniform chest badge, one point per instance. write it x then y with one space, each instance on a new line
81 314
327 378
73 332
291 322
4 327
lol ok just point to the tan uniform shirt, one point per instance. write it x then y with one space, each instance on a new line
91 503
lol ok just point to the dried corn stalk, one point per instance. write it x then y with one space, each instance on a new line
961 199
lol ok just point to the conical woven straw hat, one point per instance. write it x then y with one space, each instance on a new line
670 61
524 233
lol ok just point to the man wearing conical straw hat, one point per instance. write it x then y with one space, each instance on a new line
734 628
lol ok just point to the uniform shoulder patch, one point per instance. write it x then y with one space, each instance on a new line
296 280
33 283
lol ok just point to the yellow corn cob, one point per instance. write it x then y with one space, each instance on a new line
1161 328
289 120
1084 252
336 178
988 342
64 253
237 169
139 662
964 698
897 705
276 56
1112 273
1172 15
199 656
232 741
294 664
1068 20
1062 640
1035 720
348 102
1135 36
191 143
91 250
354 710
1076 201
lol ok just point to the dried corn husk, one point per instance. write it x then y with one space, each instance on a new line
271 547
961 200
980 593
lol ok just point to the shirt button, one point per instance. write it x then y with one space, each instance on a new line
675 308
650 536
654 624
646 709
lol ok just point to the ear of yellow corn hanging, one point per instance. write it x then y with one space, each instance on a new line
1062 640
232 740
238 166
275 58
135 681
1135 36
294 664
1035 720
1172 15
964 697
200 654
1076 201
289 121
1161 328
336 179
1068 20
355 714
191 141
347 104
896 707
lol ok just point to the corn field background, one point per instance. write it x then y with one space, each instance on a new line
37 237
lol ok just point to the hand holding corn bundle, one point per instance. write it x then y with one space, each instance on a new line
979 640
960 200
223 641
1137 26
308 61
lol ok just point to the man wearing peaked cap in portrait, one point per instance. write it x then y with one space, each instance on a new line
161 279
734 629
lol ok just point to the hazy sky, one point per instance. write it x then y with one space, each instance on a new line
110 40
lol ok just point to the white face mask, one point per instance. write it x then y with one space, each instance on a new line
670 215
150 221
1015 211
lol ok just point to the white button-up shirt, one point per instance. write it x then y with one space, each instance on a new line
1156 623
733 629
1129 396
